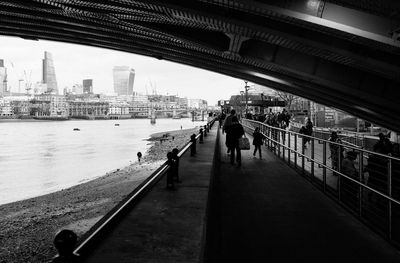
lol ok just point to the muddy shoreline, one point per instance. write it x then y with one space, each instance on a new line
28 226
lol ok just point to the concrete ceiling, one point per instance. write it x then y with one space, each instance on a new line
344 53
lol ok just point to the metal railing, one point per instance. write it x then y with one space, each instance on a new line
88 242
369 185
348 137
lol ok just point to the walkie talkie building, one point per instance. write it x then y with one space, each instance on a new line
123 80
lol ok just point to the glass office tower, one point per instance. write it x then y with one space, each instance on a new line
123 80
49 74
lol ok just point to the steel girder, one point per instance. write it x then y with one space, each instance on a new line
302 47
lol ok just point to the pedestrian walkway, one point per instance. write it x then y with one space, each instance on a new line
266 212
166 226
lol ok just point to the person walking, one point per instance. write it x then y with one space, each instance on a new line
336 150
234 132
226 127
258 138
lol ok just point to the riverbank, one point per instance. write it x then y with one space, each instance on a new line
28 226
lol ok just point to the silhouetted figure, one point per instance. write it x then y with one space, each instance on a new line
232 139
65 242
257 141
384 145
193 146
226 127
139 156
175 156
201 135
170 172
336 150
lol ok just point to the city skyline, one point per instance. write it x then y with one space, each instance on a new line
74 63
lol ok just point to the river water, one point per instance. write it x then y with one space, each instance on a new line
41 157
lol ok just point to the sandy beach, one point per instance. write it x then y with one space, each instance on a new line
28 226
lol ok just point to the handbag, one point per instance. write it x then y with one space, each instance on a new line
244 143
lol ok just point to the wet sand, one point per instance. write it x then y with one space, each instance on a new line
28 226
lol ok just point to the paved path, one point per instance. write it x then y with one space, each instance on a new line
166 226
266 212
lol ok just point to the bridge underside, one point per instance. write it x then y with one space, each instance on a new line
341 53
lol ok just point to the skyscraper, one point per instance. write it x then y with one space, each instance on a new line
123 80
88 86
3 78
49 74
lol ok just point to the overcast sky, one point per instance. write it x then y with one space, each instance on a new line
73 63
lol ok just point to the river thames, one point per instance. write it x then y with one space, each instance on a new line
41 157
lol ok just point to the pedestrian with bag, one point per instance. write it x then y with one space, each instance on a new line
235 132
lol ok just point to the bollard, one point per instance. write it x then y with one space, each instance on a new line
65 242
193 146
205 131
175 157
201 135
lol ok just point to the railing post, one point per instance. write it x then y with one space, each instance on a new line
361 180
278 141
339 169
289 147
312 157
295 150
324 167
390 202
302 156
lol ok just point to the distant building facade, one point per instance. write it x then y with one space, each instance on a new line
3 78
87 86
50 106
88 109
123 80
49 74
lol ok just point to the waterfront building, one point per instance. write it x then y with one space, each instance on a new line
183 103
49 74
50 106
6 110
3 78
88 109
139 110
197 104
21 108
87 86
123 80
119 111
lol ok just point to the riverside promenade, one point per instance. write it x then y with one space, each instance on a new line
262 211
166 226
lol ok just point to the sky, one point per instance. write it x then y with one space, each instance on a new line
73 63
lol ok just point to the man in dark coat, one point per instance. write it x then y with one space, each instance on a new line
233 134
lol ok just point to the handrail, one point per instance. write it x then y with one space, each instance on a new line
136 194
286 142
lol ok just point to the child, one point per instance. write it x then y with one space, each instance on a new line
257 141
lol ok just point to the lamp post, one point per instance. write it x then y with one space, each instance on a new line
246 88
